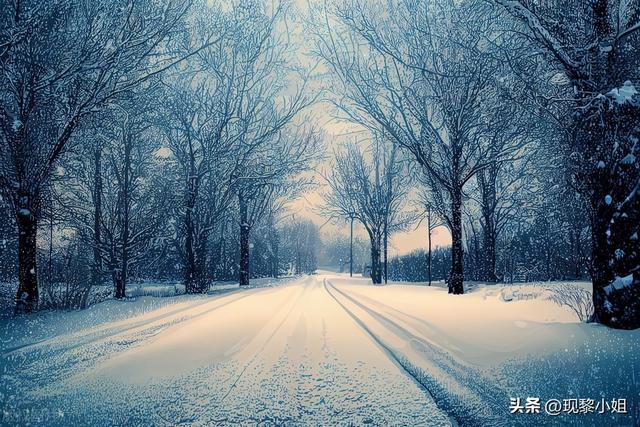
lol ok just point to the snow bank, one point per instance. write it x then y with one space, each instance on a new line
490 324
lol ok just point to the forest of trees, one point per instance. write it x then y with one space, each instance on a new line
149 140
520 122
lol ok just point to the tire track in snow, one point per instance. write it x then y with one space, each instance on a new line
266 342
395 358
324 374
458 389
413 324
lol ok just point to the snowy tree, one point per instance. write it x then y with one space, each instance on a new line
129 217
271 152
595 44
195 129
373 185
272 177
113 192
61 62
425 75
301 239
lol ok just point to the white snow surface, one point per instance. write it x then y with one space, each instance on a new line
623 94
619 283
318 350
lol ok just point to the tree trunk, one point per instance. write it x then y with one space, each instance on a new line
50 257
124 205
298 255
27 295
429 260
386 252
189 241
190 265
613 197
617 308
376 274
275 273
125 257
275 250
456 276
244 241
610 190
118 283
601 274
489 250
200 280
97 215
487 258
603 132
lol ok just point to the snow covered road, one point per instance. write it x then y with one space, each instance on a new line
459 388
318 350
284 355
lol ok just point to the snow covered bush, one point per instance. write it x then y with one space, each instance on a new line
520 292
155 291
69 289
577 298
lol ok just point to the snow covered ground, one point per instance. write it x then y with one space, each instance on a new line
318 350
476 351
